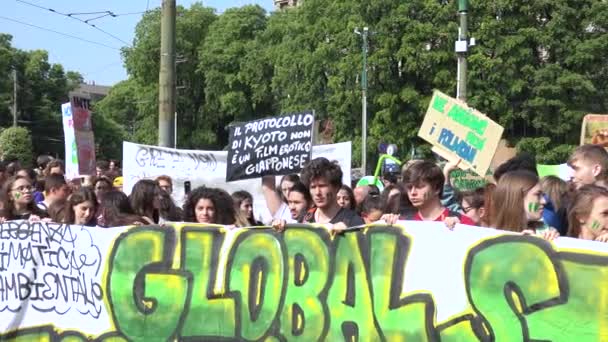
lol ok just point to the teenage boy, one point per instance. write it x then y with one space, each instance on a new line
590 166
424 182
324 179
56 189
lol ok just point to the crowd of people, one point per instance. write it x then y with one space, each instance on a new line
518 201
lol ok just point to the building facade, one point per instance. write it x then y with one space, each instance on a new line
283 4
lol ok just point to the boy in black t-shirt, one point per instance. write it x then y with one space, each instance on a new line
324 179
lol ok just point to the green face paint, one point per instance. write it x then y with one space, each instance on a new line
533 207
595 225
17 195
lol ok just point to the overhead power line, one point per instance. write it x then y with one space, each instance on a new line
60 33
86 22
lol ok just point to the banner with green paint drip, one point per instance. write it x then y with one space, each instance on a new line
413 281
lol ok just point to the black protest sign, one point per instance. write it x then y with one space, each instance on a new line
272 146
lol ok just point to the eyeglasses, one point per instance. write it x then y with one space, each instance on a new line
467 209
23 188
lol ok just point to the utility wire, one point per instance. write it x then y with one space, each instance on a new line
72 16
60 33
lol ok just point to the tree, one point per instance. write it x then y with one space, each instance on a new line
192 27
16 144
537 69
234 90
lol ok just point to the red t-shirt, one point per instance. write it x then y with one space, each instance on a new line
464 219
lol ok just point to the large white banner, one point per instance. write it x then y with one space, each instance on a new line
414 281
208 168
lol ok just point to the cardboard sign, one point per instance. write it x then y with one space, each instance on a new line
78 138
595 130
192 282
272 146
467 180
459 132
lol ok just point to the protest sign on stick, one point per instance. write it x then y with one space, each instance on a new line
459 132
272 146
79 137
595 130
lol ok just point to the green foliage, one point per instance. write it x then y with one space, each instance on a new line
537 69
545 150
109 136
16 144
42 88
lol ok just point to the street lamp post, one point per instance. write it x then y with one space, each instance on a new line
364 35
462 47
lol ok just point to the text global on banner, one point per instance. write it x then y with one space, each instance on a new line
195 282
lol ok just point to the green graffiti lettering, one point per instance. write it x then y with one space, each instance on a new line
349 300
523 272
586 297
460 331
303 285
147 298
256 279
303 317
388 255
208 311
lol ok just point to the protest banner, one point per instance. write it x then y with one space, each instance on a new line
595 130
459 132
414 281
78 138
272 146
208 168
562 171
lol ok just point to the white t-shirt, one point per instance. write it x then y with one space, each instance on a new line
283 214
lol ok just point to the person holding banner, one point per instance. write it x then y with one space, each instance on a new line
210 206
243 201
324 179
424 182
145 200
588 214
19 200
81 208
518 204
299 202
276 199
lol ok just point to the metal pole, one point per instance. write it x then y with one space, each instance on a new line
166 91
14 97
175 132
364 103
461 92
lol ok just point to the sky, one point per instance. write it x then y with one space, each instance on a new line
97 59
